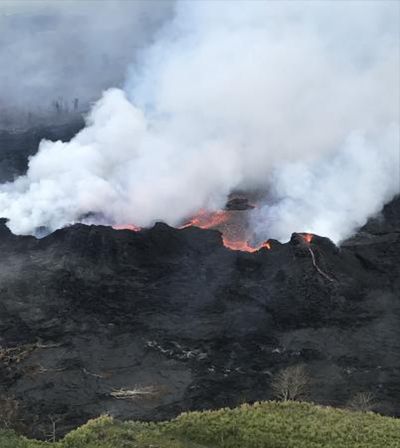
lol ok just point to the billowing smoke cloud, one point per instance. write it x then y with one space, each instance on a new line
299 99
335 195
57 56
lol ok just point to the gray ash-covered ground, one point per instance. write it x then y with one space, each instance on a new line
89 310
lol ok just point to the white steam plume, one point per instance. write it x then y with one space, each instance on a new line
335 195
298 98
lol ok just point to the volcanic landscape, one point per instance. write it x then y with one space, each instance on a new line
88 311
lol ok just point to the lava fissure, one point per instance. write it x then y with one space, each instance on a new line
244 246
230 225
131 227
207 220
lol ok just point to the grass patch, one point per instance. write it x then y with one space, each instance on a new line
262 425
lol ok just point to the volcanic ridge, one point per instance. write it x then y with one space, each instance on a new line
88 312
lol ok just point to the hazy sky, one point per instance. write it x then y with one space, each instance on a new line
70 49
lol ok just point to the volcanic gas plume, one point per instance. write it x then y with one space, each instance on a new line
294 99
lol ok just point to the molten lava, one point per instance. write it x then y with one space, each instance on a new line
127 227
207 220
244 246
307 237
266 245
230 224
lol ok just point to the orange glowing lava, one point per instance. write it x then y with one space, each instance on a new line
207 220
231 223
307 237
127 227
244 246
266 245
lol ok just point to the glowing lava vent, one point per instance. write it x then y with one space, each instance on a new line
307 237
231 222
127 227
233 226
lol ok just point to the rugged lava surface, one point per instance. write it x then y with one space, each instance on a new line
89 310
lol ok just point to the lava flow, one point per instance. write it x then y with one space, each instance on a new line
127 227
207 220
232 226
244 245
231 223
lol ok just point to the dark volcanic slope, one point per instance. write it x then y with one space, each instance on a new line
90 310
16 147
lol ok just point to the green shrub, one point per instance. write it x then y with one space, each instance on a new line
262 425
287 425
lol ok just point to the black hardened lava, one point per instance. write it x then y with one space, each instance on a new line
89 310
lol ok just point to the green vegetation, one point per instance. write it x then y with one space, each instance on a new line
262 425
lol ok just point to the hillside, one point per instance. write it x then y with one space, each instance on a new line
88 310
266 425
